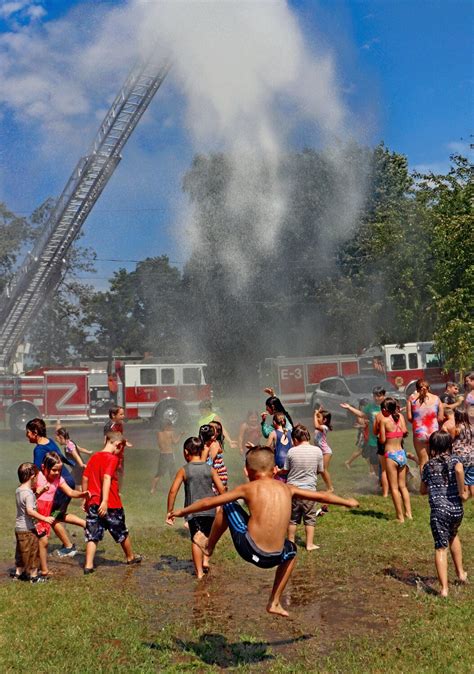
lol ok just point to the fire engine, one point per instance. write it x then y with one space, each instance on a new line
152 391
403 364
295 379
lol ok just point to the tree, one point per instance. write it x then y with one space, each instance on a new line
448 201
15 233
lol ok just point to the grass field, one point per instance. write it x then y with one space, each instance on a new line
364 602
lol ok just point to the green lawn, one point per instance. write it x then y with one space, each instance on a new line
357 604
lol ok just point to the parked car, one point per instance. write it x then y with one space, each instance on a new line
333 391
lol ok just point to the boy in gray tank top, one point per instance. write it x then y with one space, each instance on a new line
198 478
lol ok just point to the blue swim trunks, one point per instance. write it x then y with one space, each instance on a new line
237 520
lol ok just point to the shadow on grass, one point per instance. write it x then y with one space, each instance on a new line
422 583
172 563
370 513
215 649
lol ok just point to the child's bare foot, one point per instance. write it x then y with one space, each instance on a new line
312 547
277 609
201 541
463 578
400 520
347 465
409 517
443 593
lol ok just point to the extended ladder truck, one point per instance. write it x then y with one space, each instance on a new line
149 391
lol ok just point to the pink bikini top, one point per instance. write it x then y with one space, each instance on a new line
397 433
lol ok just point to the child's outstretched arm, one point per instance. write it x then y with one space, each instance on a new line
177 482
323 497
211 502
83 450
356 412
73 493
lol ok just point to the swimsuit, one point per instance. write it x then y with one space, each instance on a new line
397 455
425 418
237 520
320 440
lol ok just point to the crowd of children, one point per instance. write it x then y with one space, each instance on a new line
281 491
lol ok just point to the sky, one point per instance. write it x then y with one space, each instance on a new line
400 71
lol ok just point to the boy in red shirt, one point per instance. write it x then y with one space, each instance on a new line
104 507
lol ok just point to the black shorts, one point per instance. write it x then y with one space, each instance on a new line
444 526
113 522
237 520
200 523
60 505
380 448
166 464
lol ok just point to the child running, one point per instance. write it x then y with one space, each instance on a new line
322 426
199 480
280 441
73 452
27 546
212 437
167 439
443 479
49 480
392 431
259 538
104 507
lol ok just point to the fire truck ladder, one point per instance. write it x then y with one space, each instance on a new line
42 268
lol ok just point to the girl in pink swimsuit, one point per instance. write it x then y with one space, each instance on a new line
392 430
425 413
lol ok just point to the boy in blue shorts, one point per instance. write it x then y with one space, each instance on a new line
104 506
259 538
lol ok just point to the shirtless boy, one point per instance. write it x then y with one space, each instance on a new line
167 439
261 537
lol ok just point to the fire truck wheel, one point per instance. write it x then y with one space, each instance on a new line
170 411
19 418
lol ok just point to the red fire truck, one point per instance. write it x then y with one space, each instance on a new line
403 364
153 391
295 379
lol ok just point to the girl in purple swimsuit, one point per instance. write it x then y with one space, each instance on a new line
392 431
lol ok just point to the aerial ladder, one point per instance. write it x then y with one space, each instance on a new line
42 269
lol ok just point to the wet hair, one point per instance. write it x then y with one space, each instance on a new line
26 471
260 459
274 404
207 433
391 406
113 411
219 431
114 436
327 416
62 432
50 460
300 433
280 420
440 442
205 405
450 383
37 426
461 420
469 375
423 388
193 446
378 391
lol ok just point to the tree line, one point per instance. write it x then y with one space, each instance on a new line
404 272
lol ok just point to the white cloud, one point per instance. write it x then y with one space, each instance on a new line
24 9
371 43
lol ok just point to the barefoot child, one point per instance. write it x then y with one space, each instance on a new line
199 479
259 538
392 430
27 546
322 426
104 506
443 479
167 439
280 441
303 463
48 482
